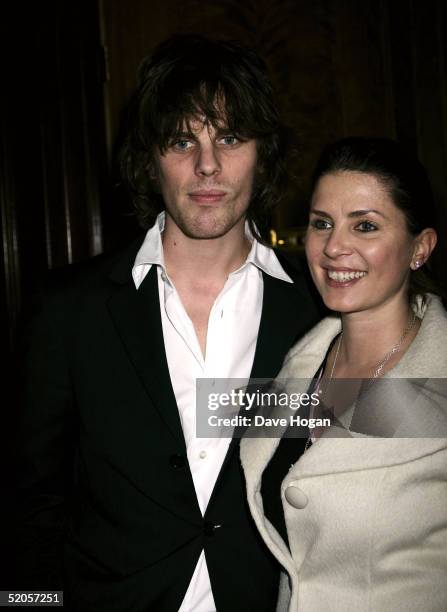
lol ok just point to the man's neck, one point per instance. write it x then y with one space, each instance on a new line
209 260
199 270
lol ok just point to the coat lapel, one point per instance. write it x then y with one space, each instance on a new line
137 318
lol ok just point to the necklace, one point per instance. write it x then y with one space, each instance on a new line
379 367
396 347
336 355
309 438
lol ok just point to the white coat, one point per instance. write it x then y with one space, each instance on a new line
366 517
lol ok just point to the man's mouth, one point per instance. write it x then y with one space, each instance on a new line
207 196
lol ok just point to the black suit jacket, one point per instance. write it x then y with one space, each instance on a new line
110 511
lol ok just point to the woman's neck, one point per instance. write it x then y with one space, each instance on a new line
369 337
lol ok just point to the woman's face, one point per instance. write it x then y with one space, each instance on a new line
358 246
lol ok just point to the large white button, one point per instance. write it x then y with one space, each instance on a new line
296 497
202 454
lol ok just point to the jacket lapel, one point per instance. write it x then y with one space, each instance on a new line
281 324
279 327
137 318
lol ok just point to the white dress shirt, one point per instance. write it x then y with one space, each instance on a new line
230 347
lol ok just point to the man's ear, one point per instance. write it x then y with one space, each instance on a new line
152 171
423 247
260 169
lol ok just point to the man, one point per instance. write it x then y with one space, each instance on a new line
156 518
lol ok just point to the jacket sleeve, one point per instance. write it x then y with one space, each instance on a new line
45 449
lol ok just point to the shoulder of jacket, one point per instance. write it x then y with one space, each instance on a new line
91 272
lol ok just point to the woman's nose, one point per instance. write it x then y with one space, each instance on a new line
338 243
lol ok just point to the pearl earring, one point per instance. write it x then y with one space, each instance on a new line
417 264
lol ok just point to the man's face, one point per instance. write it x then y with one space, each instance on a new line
206 180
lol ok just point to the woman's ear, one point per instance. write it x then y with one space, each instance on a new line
423 247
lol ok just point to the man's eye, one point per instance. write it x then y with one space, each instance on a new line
181 145
320 224
229 140
366 226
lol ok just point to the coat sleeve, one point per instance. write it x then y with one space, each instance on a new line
411 555
45 449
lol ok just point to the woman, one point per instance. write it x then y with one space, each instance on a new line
365 508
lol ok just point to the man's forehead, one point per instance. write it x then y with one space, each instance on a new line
195 125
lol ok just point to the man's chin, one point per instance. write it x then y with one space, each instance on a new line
204 233
208 229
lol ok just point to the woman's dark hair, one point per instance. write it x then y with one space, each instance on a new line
191 77
404 178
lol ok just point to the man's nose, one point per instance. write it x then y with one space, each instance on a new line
207 162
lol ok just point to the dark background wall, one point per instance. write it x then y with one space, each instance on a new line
339 67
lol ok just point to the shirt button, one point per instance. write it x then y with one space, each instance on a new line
202 454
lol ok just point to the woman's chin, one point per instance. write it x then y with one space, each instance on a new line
340 304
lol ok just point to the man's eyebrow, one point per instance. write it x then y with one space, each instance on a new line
181 134
224 129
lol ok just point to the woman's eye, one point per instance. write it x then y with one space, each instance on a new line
366 226
320 224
